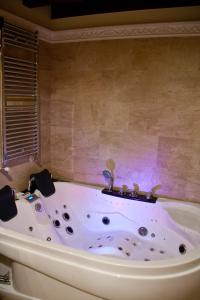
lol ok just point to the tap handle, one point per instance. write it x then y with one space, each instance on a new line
154 189
136 188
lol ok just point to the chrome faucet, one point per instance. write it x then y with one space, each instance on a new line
109 179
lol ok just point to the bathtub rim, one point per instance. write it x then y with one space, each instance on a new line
164 201
161 198
176 265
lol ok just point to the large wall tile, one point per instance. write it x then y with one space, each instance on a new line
174 155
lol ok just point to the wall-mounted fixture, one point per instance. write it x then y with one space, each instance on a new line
19 100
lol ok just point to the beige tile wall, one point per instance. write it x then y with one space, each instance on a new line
19 175
131 104
134 103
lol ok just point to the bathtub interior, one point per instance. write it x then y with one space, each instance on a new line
82 217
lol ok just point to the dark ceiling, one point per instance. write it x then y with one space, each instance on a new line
72 8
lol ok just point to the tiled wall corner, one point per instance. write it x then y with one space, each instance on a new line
61 114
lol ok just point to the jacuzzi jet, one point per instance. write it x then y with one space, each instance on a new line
69 230
38 207
182 249
143 231
56 223
106 221
66 216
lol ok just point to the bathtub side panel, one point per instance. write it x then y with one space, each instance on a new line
35 284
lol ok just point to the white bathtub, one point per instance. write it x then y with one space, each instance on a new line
82 244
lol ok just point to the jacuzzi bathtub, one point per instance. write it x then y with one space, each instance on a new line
82 244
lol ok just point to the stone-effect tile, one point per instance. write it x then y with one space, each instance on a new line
61 143
174 155
130 147
172 184
192 190
44 90
62 169
135 102
45 143
86 142
62 113
88 165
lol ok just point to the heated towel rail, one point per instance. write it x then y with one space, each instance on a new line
19 95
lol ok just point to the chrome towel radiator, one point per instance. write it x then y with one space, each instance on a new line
19 95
